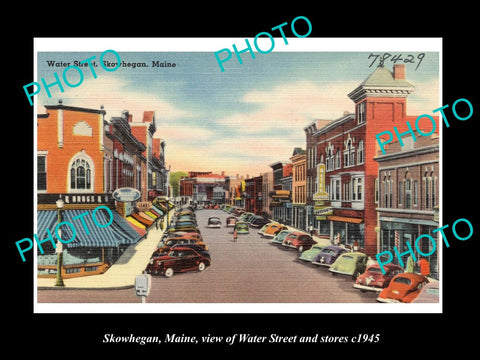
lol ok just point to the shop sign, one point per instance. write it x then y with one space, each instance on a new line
323 211
321 194
126 194
143 205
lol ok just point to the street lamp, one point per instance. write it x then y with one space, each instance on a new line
59 247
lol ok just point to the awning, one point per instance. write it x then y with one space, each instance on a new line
117 233
161 212
141 219
345 219
138 227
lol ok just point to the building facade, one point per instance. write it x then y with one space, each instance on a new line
408 196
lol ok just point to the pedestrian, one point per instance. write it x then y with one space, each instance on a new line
355 245
310 228
235 235
410 264
424 266
161 224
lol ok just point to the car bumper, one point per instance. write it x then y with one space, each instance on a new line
387 300
321 263
339 272
366 287
214 226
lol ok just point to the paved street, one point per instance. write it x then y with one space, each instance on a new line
247 271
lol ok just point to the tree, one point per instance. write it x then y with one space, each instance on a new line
175 179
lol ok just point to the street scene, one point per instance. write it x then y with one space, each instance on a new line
247 270
269 183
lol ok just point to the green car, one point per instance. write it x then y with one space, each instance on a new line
350 263
278 239
309 255
241 227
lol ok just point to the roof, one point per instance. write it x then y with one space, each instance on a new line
384 77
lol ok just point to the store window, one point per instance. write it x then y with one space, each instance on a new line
81 174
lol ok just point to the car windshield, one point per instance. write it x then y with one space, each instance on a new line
292 236
403 280
242 227
347 257
375 270
328 251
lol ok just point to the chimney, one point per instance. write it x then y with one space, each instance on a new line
399 71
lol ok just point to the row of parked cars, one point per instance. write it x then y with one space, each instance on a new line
395 285
181 248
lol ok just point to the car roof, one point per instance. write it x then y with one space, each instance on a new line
296 232
412 276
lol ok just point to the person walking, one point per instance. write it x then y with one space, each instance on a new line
424 266
410 264
235 235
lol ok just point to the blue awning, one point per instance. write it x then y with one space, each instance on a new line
158 210
88 234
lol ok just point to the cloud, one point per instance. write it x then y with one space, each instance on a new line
116 95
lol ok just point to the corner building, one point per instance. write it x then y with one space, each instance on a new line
345 149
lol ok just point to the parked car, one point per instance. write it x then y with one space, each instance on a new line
241 227
404 287
278 239
374 279
245 216
200 207
271 229
258 221
185 234
310 254
231 220
180 259
165 245
350 263
299 241
214 222
238 211
328 255
430 293
197 247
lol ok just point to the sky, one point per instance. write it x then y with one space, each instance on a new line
243 119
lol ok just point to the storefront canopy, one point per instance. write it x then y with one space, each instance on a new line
88 233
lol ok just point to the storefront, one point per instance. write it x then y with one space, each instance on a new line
397 232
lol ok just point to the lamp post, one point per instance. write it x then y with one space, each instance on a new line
59 247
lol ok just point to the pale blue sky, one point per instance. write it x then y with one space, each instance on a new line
240 120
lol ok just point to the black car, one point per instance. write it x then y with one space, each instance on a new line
258 222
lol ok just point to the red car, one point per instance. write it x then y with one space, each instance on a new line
403 288
298 240
374 279
180 259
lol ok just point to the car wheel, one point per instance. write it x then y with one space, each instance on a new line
201 266
168 272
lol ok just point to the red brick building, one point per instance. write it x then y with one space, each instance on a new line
346 148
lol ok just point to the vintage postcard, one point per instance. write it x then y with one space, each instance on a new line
265 175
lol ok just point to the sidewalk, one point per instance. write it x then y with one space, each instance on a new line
121 274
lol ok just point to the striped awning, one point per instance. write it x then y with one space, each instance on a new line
161 212
88 233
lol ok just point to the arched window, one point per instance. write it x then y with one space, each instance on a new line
81 173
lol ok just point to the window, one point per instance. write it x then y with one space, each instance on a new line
415 193
346 192
361 113
408 194
400 193
357 188
338 159
330 160
360 159
336 193
349 154
41 172
81 173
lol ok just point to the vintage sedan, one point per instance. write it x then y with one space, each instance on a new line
180 259
328 255
430 293
231 220
299 241
197 247
258 221
403 288
166 244
373 279
214 222
278 239
350 263
271 229
241 227
310 254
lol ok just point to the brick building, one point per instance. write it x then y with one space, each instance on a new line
408 196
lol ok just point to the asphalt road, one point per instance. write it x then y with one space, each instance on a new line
247 271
